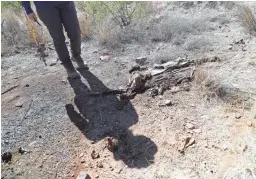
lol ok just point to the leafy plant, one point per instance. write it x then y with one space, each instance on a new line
121 12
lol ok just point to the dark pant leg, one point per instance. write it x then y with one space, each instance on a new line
70 21
52 19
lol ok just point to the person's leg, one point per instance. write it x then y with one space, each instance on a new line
71 24
52 19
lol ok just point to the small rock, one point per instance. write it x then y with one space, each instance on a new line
141 60
27 85
198 131
165 103
100 165
238 116
39 166
190 126
21 150
249 123
205 145
97 176
160 90
224 147
134 68
153 93
157 66
119 170
245 148
19 104
83 161
214 59
95 155
53 64
168 102
64 81
6 157
106 57
83 175
81 155
175 89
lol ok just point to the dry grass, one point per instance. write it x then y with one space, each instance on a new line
247 19
15 32
207 85
211 88
85 26
176 28
107 36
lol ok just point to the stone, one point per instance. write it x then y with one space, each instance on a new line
165 103
141 60
53 64
168 102
19 104
197 131
83 175
134 68
95 155
175 89
249 123
81 155
224 147
100 165
190 126
105 57
83 161
238 116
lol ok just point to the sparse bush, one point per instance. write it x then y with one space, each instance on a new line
247 19
207 85
196 43
176 28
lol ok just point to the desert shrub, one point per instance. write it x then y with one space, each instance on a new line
121 13
176 28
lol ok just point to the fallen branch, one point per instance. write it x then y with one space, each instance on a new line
9 89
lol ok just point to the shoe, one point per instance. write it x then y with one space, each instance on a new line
72 73
80 63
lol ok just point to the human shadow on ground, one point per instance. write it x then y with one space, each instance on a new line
101 116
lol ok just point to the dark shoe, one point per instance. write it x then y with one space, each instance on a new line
80 63
72 73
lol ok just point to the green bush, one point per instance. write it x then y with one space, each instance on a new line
122 13
13 5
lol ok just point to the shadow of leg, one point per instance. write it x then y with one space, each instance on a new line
75 117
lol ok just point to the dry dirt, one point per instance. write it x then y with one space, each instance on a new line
60 138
